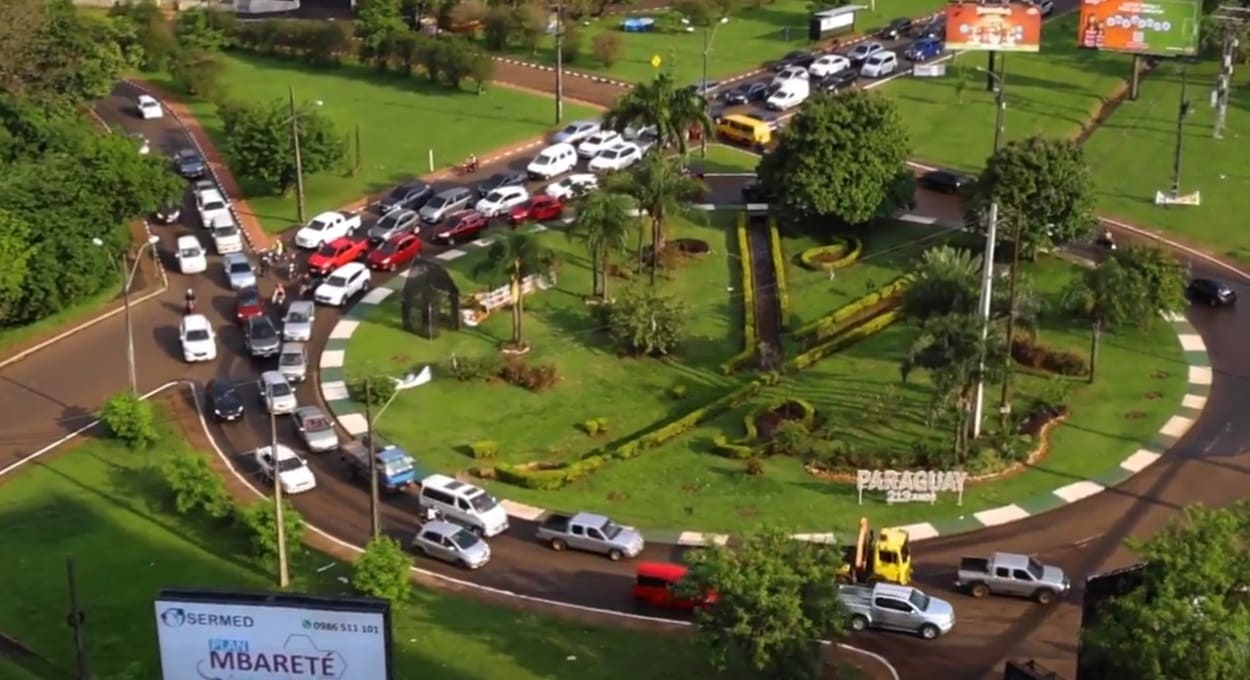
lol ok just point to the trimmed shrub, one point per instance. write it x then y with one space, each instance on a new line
677 391
840 254
195 486
382 571
755 466
380 390
595 426
723 447
260 520
607 48
466 369
869 328
535 378
1033 353
131 419
780 272
890 295
750 335
483 449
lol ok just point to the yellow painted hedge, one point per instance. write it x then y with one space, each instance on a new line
836 321
779 271
750 335
846 249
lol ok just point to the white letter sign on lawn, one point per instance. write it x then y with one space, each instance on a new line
910 486
258 640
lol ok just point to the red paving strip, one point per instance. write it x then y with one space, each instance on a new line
541 93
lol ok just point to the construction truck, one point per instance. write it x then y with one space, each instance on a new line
877 557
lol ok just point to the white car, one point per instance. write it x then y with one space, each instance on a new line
213 207
293 472
342 284
226 237
598 142
880 65
556 159
789 95
149 108
617 157
573 186
191 256
828 65
325 228
791 73
199 343
502 200
145 148
276 393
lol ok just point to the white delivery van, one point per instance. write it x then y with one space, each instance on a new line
464 504
556 159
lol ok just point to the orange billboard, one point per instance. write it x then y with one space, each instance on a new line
993 27
1163 27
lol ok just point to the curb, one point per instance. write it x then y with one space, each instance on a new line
333 387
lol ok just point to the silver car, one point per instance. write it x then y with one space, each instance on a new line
576 131
445 203
276 393
293 361
297 324
393 223
452 543
239 271
316 428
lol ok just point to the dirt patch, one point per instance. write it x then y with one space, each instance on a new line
1152 396
1134 415
690 246
1108 106
1160 375
766 423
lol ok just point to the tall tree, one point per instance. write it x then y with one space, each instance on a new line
71 58
259 139
513 258
15 253
1044 190
1189 618
661 189
840 157
673 111
946 282
776 598
376 21
606 220
1129 288
23 21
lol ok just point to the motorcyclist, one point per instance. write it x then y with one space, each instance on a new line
1108 240
279 295
190 300
431 514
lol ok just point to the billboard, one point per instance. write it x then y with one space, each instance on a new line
993 27
205 634
1159 27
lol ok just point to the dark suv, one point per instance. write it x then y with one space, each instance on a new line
898 28
190 164
410 196
1211 292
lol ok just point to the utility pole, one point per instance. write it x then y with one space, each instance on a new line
77 620
284 576
1181 113
1231 18
130 328
559 62
375 521
299 165
987 274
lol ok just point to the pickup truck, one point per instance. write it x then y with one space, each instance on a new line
901 608
1011 574
592 533
336 253
327 227
395 468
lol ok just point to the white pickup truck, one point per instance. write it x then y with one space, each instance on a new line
327 227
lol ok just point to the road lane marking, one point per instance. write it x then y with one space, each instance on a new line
332 358
1140 460
344 329
1078 491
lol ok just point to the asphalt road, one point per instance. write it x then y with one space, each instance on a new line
55 390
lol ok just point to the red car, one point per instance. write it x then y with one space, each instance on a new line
335 254
461 226
248 304
398 251
540 207
653 586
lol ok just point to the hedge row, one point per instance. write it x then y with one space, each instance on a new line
1029 351
748 446
779 271
555 476
831 324
846 250
873 326
750 335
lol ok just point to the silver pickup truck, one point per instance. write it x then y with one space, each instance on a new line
1011 574
592 533
902 608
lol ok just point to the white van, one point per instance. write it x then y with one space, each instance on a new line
880 65
556 159
789 95
464 504
191 256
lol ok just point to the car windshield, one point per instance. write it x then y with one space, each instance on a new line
316 424
1035 569
249 299
291 359
262 330
226 396
496 197
197 335
289 464
396 467
190 251
483 502
400 193
316 225
240 267
296 317
222 232
336 282
919 600
437 203
389 247
610 530
328 250
279 388
542 160
214 205
463 539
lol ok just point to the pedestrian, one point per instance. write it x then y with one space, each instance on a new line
305 285
279 249
279 295
264 265
290 269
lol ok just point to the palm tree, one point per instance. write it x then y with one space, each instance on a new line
661 189
947 282
672 110
515 257
606 219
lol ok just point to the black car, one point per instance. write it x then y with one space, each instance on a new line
190 164
897 28
836 82
935 29
508 178
1210 292
795 58
754 192
746 93
946 181
224 401
167 212
409 196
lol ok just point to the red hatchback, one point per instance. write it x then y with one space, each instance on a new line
654 584
248 304
335 254
398 251
461 226
540 207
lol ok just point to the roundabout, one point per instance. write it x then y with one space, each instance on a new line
1197 457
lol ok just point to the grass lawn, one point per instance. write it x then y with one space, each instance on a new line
16 336
1131 155
725 159
752 36
98 504
437 422
1053 93
400 120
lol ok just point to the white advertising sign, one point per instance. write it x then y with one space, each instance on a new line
836 21
911 486
218 641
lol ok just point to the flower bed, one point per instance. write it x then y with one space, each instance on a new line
842 253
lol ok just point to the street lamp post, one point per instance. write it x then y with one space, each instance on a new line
408 381
284 574
991 241
128 278
709 34
559 62
293 119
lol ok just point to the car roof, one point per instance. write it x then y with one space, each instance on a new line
302 305
196 322
415 185
309 411
327 216
187 151
661 570
249 290
341 241
401 236
272 376
393 453
259 320
233 257
187 239
207 195
453 192
284 451
510 188
349 268
1012 560
293 346
441 527
891 590
146 98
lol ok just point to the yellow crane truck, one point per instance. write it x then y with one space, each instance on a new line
877 557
